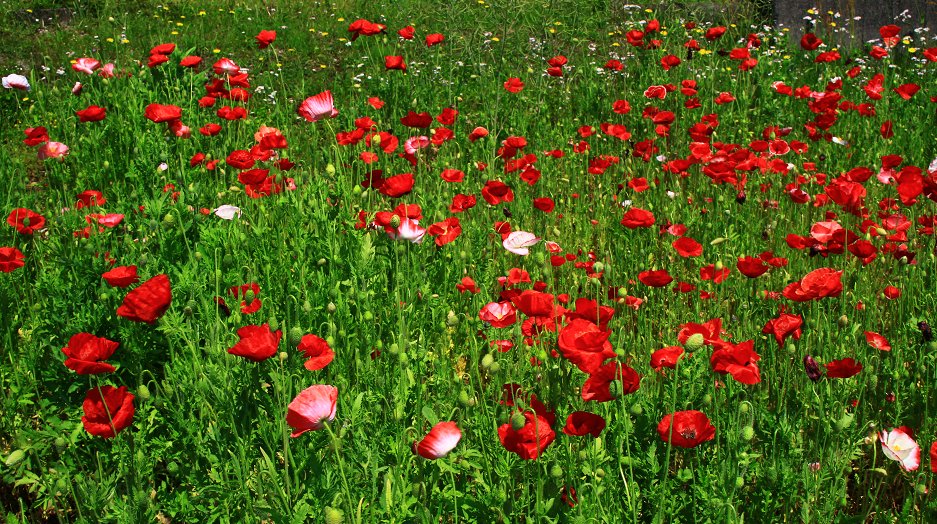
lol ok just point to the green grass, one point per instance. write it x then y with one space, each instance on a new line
209 441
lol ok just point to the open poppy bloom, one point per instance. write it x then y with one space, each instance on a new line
257 343
689 429
108 411
11 259
15 82
531 439
582 423
519 242
265 38
317 351
311 409
85 352
899 445
317 107
26 221
442 439
148 301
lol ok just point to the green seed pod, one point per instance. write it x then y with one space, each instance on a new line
748 433
719 265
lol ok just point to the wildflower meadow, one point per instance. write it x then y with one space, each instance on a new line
482 261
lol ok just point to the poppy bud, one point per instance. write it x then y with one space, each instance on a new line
451 319
330 169
330 308
614 389
845 421
518 421
296 335
334 516
719 266
15 458
812 368
495 368
748 433
487 361
60 444
637 409
739 482
274 324
143 392
740 197
843 321
556 471
925 331
694 342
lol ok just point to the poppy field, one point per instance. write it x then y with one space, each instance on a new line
489 261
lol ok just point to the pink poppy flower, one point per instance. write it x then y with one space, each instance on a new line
311 409
442 439
518 242
317 107
898 445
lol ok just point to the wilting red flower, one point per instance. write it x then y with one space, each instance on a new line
148 301
585 345
686 429
108 411
395 62
317 350
121 276
783 326
582 423
257 343
311 409
317 107
531 439
26 221
738 360
11 259
877 341
91 114
843 368
162 113
85 352
597 387
636 217
514 85
265 38
440 440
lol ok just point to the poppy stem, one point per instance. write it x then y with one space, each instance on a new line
341 468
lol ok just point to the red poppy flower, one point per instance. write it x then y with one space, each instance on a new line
467 284
406 32
819 283
434 39
752 267
190 61
156 60
265 38
933 447
445 231
714 33
891 292
530 440
362 27
148 301
810 42
395 62
26 221
582 423
658 278
317 351
496 192
35 136
666 357
687 247
544 204
783 326
397 186
598 386
843 368
91 114
686 429
121 276
636 217
514 85
738 360
257 343
162 113
417 120
498 314
440 440
585 345
462 203
311 409
250 304
85 352
108 411
877 341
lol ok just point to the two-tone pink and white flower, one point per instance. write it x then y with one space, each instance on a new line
312 408
317 107
86 65
15 81
442 439
898 445
519 242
